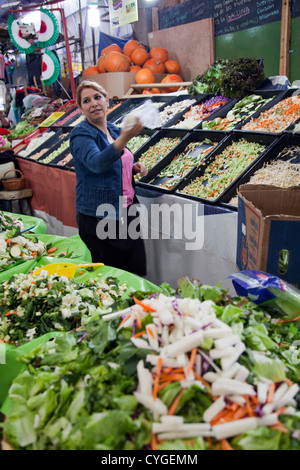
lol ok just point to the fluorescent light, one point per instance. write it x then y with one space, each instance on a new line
10 4
93 16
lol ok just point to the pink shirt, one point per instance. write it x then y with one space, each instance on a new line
127 164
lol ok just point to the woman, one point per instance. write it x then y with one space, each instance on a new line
105 186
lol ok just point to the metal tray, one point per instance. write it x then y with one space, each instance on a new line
222 113
280 97
235 136
157 136
286 140
153 178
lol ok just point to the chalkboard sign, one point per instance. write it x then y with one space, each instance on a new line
187 12
295 8
234 15
229 15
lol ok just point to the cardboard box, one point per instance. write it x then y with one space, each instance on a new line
117 84
268 237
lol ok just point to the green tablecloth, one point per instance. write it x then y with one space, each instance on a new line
12 366
35 224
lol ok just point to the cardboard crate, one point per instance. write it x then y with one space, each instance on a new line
118 83
268 231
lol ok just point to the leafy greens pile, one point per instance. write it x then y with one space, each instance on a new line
233 78
77 391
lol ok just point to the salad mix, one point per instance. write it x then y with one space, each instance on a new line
194 369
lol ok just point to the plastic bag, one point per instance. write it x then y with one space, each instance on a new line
148 115
268 291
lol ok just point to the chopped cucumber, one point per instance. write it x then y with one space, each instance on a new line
15 251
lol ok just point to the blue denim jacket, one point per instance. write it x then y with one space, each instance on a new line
98 168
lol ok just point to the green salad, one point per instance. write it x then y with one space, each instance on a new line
191 370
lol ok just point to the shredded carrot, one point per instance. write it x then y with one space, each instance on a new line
192 360
271 392
138 321
198 377
150 333
280 427
210 442
289 382
292 319
280 411
172 377
125 319
157 377
175 403
225 444
153 442
146 308
141 333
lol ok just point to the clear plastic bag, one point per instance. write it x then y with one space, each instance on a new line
147 113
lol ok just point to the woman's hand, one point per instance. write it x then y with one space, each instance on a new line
140 168
127 134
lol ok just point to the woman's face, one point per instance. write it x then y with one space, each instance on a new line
93 105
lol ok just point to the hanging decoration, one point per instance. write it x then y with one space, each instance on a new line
17 36
50 68
49 30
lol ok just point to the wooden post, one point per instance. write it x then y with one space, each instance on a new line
155 22
284 65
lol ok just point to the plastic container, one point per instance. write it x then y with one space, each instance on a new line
263 139
153 178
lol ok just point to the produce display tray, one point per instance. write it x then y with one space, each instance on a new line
157 136
222 113
52 149
128 105
174 120
70 116
56 162
145 132
235 136
48 143
280 97
153 178
25 141
285 140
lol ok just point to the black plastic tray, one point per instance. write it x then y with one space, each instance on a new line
150 133
175 119
286 140
222 113
179 118
127 106
235 136
153 177
280 97
48 143
58 159
69 121
52 149
157 136
177 99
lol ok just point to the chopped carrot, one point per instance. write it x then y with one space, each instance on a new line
198 377
192 360
271 392
280 427
157 377
150 333
138 320
141 333
8 241
146 308
124 320
280 411
289 382
225 444
52 249
153 442
292 319
175 403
